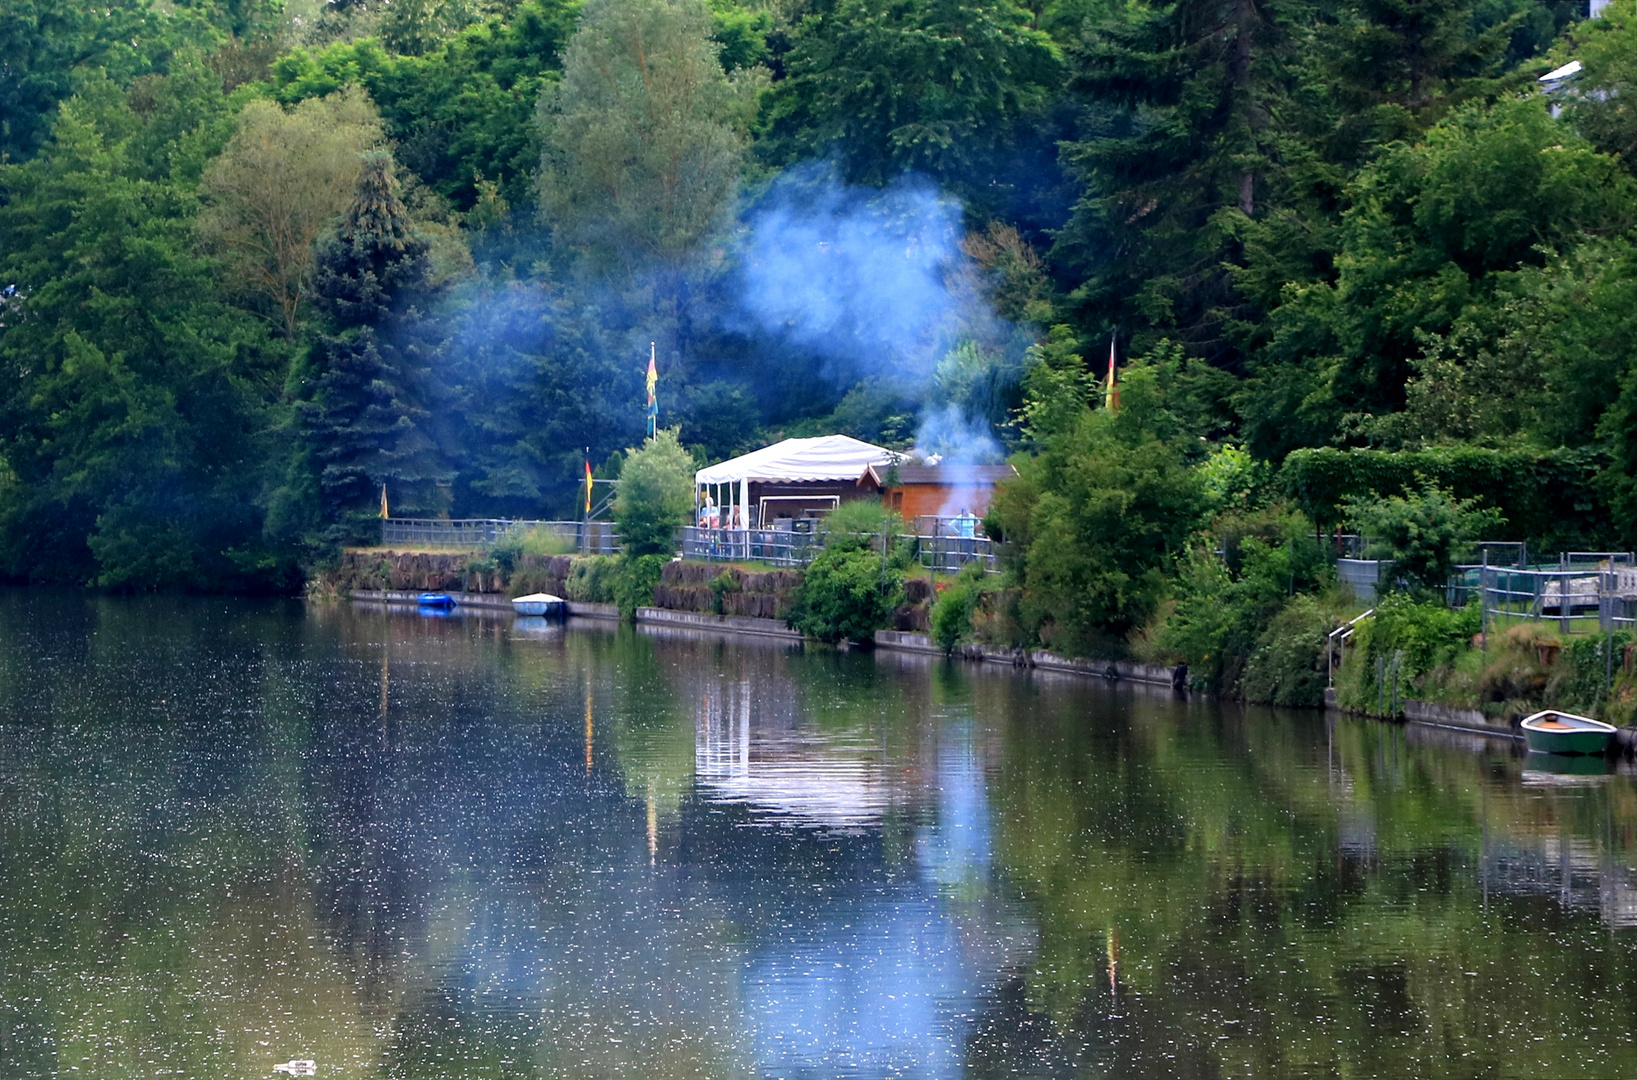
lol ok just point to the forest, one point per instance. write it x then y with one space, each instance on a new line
262 260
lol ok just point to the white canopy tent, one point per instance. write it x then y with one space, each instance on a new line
827 457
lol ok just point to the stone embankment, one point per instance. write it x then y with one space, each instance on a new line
707 588
399 571
1040 659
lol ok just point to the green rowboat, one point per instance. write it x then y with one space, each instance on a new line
1554 732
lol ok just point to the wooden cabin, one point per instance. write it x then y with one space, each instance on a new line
932 491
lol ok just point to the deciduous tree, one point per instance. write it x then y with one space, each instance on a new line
282 178
645 134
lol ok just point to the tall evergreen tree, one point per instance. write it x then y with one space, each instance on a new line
1221 135
367 423
931 86
1177 155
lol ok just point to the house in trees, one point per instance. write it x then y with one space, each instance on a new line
922 493
790 480
807 478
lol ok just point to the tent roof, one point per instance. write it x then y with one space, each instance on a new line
828 457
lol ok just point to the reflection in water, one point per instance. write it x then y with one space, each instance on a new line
234 835
788 774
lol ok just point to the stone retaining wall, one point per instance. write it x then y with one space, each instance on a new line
687 587
732 624
423 571
1113 670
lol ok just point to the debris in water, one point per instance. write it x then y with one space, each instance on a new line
301 1067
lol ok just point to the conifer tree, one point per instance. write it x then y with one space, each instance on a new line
374 255
1178 153
367 422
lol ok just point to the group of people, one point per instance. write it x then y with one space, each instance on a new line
712 516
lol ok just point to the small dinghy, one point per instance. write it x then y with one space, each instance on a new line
442 601
1552 732
538 604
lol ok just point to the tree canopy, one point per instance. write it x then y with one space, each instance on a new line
259 261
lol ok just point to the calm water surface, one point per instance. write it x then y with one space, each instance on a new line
233 834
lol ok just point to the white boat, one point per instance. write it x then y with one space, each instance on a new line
538 604
1553 731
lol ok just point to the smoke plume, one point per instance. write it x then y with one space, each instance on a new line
872 282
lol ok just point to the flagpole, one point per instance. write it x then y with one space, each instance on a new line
653 401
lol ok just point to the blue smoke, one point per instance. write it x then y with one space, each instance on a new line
871 282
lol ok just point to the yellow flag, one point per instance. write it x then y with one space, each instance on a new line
1111 395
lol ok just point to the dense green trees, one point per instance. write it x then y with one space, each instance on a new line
1096 517
1434 230
644 135
928 85
137 401
279 181
1349 224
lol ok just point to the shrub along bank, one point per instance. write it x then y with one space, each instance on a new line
1423 650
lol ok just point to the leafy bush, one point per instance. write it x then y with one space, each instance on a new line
1095 520
951 616
866 516
1233 479
634 581
1224 604
1420 637
655 496
1423 533
591 579
720 586
1581 679
1428 634
1287 666
533 541
843 597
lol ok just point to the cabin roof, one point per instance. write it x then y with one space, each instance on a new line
946 475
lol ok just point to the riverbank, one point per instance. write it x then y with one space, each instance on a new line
1542 670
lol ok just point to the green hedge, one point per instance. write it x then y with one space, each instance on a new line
1550 498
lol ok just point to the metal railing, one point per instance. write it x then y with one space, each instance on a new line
1601 598
476 534
951 554
968 526
781 547
1338 640
785 547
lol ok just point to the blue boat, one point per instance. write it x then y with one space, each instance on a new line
442 601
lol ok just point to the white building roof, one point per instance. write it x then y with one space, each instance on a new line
828 457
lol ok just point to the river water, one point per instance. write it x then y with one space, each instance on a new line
233 834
